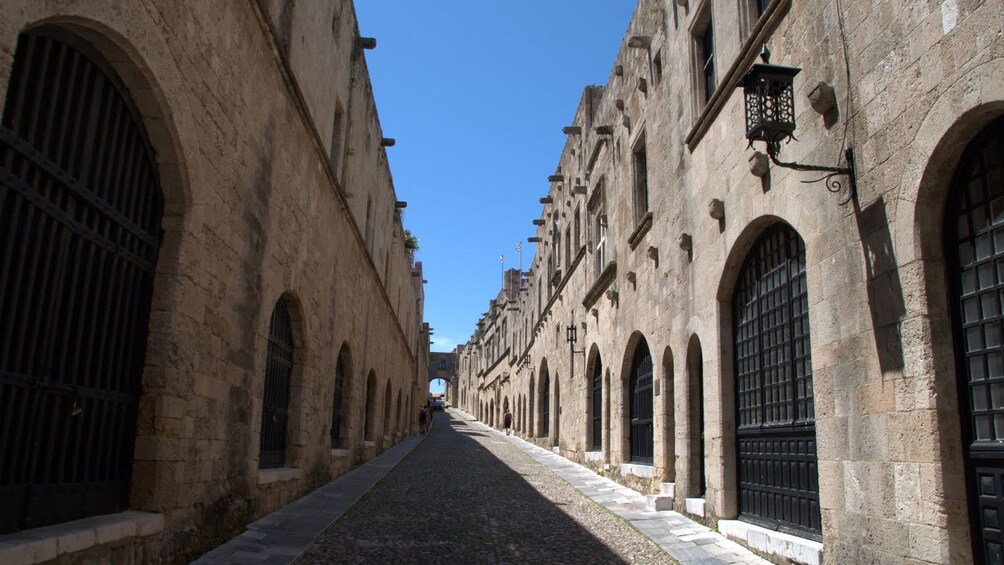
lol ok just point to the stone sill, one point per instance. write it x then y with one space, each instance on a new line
640 230
694 506
602 282
341 453
642 471
770 543
46 543
593 456
266 476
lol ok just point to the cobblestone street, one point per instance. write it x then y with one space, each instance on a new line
467 495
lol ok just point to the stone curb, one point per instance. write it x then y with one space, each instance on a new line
281 537
683 539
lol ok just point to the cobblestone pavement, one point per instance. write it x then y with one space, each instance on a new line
468 495
688 541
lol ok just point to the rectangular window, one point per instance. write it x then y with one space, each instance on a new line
336 138
600 236
657 68
568 248
706 58
578 229
640 181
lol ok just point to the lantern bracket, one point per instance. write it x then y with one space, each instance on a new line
833 185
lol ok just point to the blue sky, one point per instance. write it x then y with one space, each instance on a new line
476 92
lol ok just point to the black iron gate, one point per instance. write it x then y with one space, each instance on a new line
974 246
778 478
597 404
80 212
545 405
275 401
336 405
642 440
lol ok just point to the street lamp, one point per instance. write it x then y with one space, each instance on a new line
770 117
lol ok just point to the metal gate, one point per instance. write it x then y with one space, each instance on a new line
778 478
597 404
545 405
80 212
275 401
974 243
336 405
642 442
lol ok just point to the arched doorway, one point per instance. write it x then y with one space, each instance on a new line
337 401
78 257
974 251
545 403
387 425
640 407
776 432
595 402
697 468
370 420
275 398
531 430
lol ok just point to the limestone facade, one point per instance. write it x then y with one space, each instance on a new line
659 265
272 163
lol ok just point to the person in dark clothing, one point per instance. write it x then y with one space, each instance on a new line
423 417
507 421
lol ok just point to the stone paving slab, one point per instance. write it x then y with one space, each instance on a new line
280 537
468 496
687 541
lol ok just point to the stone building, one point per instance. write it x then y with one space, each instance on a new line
443 365
817 374
208 303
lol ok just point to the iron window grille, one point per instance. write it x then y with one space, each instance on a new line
974 247
545 406
641 408
336 405
275 400
778 476
80 224
597 416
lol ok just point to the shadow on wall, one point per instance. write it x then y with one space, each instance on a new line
885 292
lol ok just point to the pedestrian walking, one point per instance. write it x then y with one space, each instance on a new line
423 417
507 421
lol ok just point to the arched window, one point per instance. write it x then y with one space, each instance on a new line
974 249
597 405
370 420
275 400
336 403
640 390
778 478
545 404
80 221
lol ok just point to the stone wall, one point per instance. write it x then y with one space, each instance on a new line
277 188
921 80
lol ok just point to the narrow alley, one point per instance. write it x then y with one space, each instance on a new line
470 494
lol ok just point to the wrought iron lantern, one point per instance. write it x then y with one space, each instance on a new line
770 101
571 334
769 94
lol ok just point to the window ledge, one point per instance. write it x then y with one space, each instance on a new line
602 282
339 453
279 474
634 469
593 456
46 543
640 230
771 543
